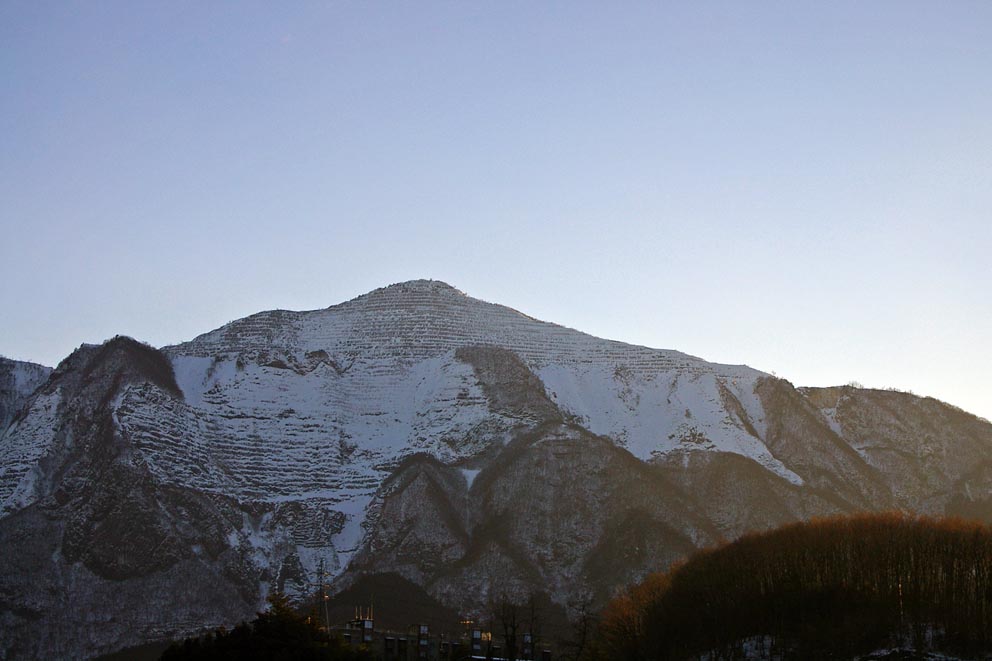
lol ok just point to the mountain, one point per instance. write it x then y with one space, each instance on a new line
416 431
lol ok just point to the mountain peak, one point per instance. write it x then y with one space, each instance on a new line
420 287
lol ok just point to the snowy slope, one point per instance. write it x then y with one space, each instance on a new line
373 364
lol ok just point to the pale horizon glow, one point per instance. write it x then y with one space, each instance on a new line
805 188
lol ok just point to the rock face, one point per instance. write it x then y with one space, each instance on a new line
17 381
462 445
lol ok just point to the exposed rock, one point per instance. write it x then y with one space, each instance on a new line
18 380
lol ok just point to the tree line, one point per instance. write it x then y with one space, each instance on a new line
278 634
825 588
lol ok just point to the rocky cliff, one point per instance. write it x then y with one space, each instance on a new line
18 380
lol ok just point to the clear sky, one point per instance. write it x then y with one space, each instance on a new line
805 187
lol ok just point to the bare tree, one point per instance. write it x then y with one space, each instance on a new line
534 620
509 617
584 620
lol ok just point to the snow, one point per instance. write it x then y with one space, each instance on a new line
28 376
191 376
21 447
830 414
658 414
347 542
469 474
282 436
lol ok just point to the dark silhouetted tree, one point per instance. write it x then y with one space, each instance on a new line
278 634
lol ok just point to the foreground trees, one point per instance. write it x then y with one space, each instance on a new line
823 589
279 634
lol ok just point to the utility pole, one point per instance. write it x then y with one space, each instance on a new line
323 595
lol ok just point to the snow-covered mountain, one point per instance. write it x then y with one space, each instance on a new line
476 451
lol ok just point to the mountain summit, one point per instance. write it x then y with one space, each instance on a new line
417 431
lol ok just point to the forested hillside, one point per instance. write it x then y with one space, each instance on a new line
827 588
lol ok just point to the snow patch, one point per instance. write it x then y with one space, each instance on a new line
669 411
191 376
469 474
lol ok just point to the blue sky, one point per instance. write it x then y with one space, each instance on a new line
803 187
